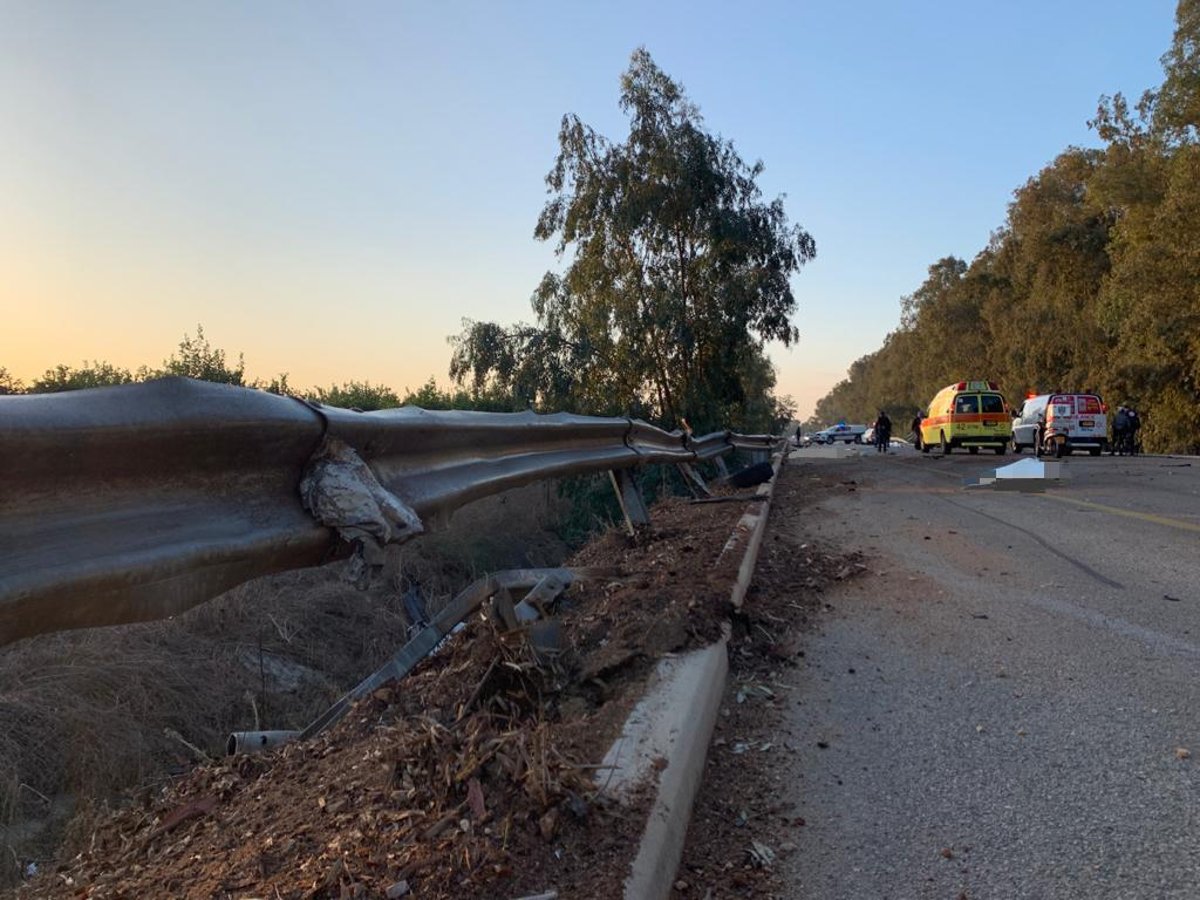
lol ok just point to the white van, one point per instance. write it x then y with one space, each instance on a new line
1057 424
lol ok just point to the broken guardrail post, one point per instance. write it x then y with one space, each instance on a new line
539 583
632 505
695 482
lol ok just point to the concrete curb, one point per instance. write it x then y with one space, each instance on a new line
673 725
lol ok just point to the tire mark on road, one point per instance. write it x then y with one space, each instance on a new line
1041 541
1045 544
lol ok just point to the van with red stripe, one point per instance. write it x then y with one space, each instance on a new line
969 414
1057 424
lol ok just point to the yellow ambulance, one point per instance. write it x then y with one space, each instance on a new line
969 414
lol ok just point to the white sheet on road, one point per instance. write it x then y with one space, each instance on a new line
1023 475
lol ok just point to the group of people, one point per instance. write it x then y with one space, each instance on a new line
1125 425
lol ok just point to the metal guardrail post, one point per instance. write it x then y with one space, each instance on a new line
542 584
633 507
695 482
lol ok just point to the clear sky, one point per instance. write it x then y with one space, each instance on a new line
331 187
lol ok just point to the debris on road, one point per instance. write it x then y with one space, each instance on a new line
761 855
1030 475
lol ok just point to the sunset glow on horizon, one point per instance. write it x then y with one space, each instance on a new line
331 190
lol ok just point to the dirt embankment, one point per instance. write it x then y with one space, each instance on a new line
477 775
88 714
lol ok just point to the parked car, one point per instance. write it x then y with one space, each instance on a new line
1058 424
847 434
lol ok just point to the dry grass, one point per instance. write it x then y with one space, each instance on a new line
87 715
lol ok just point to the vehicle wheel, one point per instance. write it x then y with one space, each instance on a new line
925 448
1001 450
1017 448
972 450
1060 450
945 443
858 439
1038 449
1094 451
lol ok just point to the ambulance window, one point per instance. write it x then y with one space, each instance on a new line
1089 405
966 403
993 403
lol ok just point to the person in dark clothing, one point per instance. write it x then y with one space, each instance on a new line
799 434
916 429
1120 431
1135 423
883 432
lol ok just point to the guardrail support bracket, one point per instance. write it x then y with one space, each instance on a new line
695 482
630 498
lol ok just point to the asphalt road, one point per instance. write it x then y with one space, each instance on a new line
1004 704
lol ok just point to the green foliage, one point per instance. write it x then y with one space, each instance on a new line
1176 105
10 384
89 375
277 385
1093 282
430 396
196 358
677 273
360 395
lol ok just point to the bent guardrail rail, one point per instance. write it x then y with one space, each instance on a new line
137 502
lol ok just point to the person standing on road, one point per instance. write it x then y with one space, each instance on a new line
883 432
799 433
916 429
1135 423
1120 430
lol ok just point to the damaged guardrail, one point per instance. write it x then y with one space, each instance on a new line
543 586
137 502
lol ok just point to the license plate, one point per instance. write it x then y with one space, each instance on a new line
1087 423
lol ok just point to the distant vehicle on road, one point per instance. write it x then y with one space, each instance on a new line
847 434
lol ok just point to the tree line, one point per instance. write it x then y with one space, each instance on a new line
1091 283
195 357
676 274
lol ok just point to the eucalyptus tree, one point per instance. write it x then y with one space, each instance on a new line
677 271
